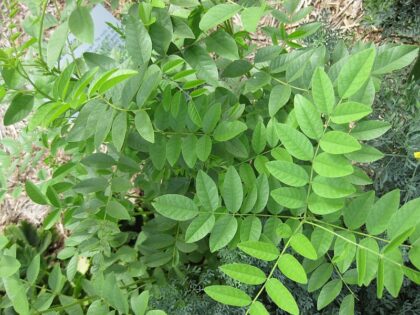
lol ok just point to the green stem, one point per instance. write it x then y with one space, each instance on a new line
41 30
274 267
341 277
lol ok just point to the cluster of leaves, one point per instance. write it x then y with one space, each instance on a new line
396 18
190 146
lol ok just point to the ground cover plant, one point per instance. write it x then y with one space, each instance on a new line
200 152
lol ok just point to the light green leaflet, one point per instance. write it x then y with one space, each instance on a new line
355 72
200 227
338 142
244 273
218 14
288 173
308 118
292 268
232 191
176 207
323 91
295 142
228 295
281 296
207 191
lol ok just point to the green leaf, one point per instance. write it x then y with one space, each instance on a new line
259 138
244 273
281 296
138 42
279 96
218 14
292 198
33 269
250 17
321 239
207 191
405 218
150 82
227 130
322 206
305 30
288 173
222 44
232 191
332 187
355 213
81 24
250 229
320 276
119 129
188 147
257 81
223 232
199 60
347 305
98 160
8 266
380 279
56 43
261 250
338 142
328 293
228 295
292 269
200 227
257 308
371 257
367 154
380 214
303 246
323 91
140 302
173 149
350 111
117 211
295 142
144 126
236 68
20 107
203 148
115 78
35 194
393 276
308 118
355 72
16 292
393 58
176 207
329 165
371 129
91 185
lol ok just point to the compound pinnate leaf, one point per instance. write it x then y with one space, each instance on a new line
176 207
228 295
281 296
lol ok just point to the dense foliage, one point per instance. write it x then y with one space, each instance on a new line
198 156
